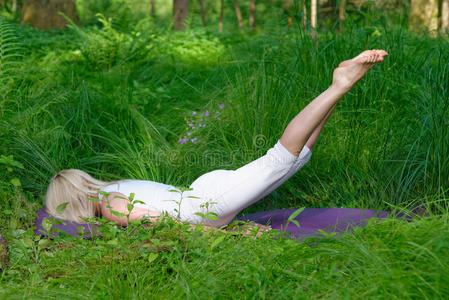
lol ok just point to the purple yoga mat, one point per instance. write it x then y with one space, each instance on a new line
71 228
311 220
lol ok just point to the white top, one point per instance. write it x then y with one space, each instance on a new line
157 196
226 192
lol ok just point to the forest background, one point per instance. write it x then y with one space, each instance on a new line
167 91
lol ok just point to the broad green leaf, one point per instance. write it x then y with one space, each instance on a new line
94 199
296 213
213 218
120 197
152 256
131 197
80 230
138 201
130 207
61 208
217 241
325 233
193 197
118 214
27 242
104 194
15 182
296 223
46 225
43 243
113 242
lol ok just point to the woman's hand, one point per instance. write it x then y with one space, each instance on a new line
261 229
252 229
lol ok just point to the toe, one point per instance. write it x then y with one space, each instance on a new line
382 53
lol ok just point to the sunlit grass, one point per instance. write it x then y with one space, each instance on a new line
115 101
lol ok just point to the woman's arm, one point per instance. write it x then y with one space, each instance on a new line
119 202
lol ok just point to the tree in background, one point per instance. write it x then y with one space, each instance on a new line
220 20
180 10
433 15
153 8
313 13
445 15
252 11
45 14
203 13
341 13
238 13
11 5
423 13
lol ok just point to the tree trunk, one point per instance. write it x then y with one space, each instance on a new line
342 10
180 9
220 22
203 13
313 13
424 13
304 8
4 252
238 13
445 16
252 12
153 8
341 13
440 11
44 14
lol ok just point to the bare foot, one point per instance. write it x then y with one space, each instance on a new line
350 71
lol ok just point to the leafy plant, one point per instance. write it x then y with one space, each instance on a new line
10 165
10 54
180 190
208 215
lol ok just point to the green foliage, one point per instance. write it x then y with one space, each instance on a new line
10 53
106 47
114 99
118 9
7 166
387 258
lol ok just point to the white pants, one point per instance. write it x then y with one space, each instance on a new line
230 191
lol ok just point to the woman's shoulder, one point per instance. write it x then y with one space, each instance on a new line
123 185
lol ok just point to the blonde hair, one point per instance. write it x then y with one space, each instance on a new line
73 187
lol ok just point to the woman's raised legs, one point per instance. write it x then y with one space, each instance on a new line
305 128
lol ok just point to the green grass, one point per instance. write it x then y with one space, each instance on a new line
114 101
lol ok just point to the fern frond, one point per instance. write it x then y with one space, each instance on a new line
10 49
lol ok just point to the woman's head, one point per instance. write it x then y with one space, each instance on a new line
73 187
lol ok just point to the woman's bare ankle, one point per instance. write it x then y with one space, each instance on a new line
339 89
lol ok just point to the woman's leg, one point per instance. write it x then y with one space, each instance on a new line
302 127
230 191
233 191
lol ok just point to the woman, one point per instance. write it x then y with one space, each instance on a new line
221 193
